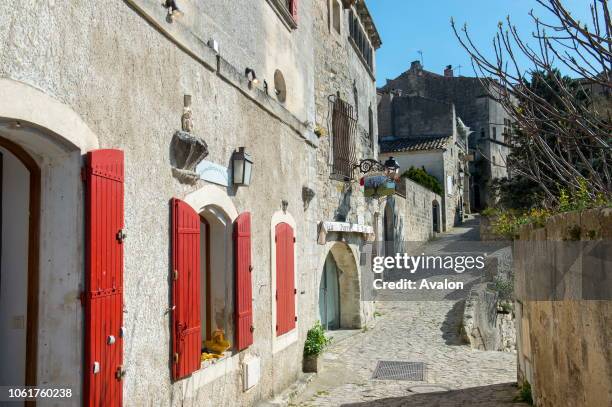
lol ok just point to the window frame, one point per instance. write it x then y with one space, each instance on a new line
289 17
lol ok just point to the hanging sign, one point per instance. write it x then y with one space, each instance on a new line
378 185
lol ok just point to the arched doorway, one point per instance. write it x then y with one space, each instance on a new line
19 221
329 295
435 216
339 290
42 146
389 227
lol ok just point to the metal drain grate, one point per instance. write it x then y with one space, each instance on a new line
394 370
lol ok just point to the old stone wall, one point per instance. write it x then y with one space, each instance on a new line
124 70
484 116
564 344
415 116
414 212
339 71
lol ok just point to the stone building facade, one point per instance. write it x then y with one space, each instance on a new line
486 118
426 133
150 103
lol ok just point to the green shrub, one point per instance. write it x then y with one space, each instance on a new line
504 287
525 393
315 340
489 212
423 178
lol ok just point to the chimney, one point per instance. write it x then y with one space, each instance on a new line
448 72
416 66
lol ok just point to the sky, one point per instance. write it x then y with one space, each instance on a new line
407 26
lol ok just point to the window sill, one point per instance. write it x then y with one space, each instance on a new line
213 370
212 362
285 340
284 14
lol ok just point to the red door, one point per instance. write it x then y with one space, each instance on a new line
104 279
285 280
186 331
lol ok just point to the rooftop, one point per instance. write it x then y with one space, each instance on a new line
414 144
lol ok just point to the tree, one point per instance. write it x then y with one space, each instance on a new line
562 130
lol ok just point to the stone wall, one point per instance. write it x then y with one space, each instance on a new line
483 115
124 74
340 72
415 116
414 216
564 344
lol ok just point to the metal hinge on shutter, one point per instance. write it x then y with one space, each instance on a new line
175 275
176 358
295 291
121 235
277 327
276 295
296 319
294 240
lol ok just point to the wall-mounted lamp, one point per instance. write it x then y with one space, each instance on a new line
173 11
242 165
251 76
390 167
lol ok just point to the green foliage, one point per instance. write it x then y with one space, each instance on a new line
517 192
423 178
525 393
507 223
315 340
489 212
504 287
580 199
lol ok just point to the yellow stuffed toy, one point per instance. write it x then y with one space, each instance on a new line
218 344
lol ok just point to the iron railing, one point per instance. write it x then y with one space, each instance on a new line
344 129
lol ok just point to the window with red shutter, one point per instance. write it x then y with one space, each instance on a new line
244 297
186 332
104 186
285 279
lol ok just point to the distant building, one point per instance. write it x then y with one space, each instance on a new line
488 120
427 134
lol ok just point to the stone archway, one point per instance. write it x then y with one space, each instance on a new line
49 138
349 289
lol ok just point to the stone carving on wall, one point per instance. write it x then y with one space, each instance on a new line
186 150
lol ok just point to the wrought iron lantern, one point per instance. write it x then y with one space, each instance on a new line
390 167
242 165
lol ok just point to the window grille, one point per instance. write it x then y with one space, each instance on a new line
344 127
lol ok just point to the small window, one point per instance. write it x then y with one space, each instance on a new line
494 129
371 125
336 15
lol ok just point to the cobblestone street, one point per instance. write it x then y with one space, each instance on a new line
415 331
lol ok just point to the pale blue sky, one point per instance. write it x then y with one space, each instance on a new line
407 26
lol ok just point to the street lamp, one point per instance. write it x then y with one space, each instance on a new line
242 165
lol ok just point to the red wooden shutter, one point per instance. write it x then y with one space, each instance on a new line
103 278
244 296
186 332
294 9
285 281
